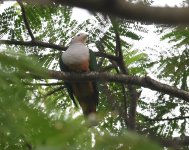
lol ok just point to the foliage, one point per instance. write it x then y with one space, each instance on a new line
38 114
24 126
173 68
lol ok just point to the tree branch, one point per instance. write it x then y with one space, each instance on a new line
109 77
125 104
130 119
25 19
127 10
53 46
101 54
54 91
106 68
33 43
44 84
121 66
145 82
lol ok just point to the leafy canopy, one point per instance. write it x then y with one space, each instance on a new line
37 113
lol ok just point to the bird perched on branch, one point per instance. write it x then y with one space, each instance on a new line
79 59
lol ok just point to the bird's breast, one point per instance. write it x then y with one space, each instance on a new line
76 53
79 67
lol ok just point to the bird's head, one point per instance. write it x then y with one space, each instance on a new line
80 38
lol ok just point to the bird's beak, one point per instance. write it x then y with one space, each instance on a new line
85 38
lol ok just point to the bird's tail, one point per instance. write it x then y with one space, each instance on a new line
88 105
86 96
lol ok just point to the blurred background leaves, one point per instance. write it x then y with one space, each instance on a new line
34 115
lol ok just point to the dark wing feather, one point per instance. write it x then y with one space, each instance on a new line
67 84
93 67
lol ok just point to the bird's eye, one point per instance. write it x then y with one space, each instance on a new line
78 35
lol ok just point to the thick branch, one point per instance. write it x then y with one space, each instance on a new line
128 10
122 78
131 11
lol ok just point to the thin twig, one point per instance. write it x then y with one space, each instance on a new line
125 104
26 20
107 68
33 43
105 55
168 119
54 91
44 84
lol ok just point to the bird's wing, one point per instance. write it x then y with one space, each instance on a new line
93 67
67 84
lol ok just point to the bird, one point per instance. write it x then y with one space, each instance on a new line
79 59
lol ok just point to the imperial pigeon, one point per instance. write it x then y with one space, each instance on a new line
79 59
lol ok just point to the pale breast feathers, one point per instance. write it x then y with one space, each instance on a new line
75 54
